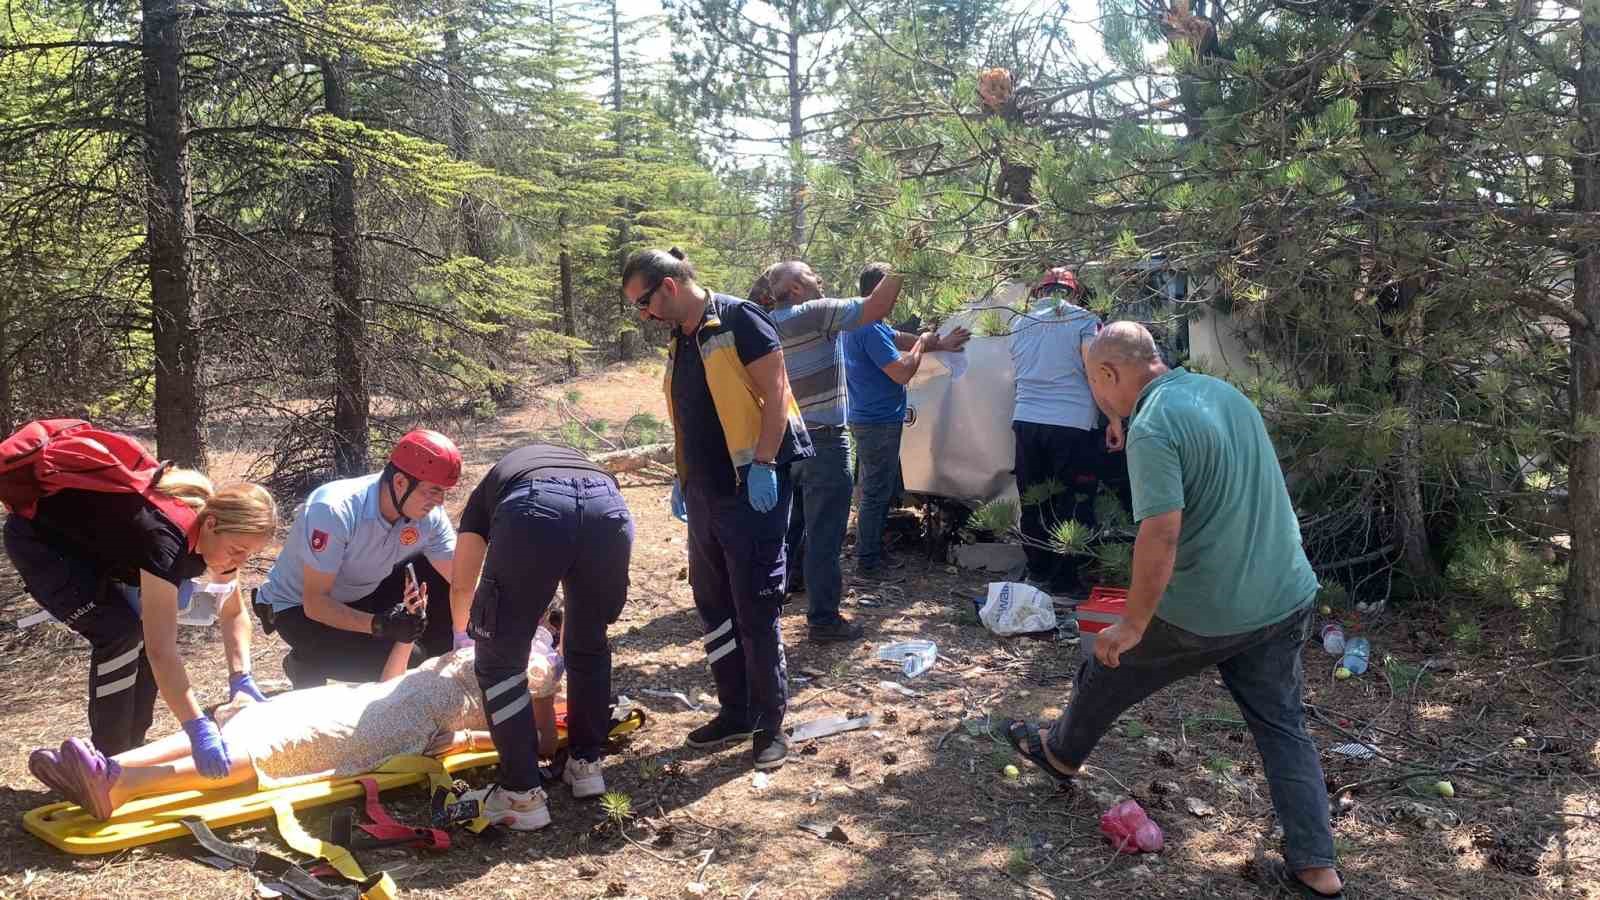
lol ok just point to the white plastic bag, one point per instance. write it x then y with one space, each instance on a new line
1015 608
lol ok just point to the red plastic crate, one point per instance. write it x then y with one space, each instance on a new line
1104 608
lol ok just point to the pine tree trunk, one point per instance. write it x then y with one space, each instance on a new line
1411 524
797 184
628 334
8 413
568 315
616 71
174 297
461 145
351 402
1580 611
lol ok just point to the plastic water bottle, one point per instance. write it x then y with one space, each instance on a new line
915 657
1356 653
1333 639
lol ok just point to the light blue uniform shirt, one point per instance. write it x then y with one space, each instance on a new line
341 532
1047 356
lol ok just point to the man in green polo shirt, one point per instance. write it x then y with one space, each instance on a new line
1219 579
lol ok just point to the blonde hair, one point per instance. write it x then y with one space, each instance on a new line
188 485
242 508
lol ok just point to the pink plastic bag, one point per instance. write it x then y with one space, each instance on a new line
1129 830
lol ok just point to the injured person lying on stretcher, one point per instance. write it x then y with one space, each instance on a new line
333 731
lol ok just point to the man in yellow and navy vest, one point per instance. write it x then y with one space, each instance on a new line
737 428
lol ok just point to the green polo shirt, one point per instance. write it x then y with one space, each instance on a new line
1196 444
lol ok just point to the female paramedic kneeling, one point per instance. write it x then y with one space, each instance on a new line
545 515
333 731
113 566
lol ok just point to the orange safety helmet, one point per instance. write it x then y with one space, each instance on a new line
1059 275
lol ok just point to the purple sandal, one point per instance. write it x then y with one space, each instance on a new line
46 766
90 775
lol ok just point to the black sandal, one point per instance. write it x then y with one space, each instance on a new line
1024 738
1288 879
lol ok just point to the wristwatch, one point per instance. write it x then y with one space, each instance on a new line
769 463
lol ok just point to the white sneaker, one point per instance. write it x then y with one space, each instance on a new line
584 777
517 810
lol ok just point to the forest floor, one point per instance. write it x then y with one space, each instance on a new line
921 796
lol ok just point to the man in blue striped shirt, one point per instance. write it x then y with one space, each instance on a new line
810 326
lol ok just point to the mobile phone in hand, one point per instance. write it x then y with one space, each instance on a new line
413 587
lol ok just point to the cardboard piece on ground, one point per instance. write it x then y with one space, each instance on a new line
828 726
1005 559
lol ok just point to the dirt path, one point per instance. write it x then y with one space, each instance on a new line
922 796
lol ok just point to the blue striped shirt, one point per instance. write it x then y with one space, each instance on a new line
813 356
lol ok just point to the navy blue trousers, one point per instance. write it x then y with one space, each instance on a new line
736 570
122 687
578 533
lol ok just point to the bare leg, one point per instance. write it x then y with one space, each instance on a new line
176 775
544 718
169 748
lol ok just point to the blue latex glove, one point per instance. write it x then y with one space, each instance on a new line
205 742
459 639
242 683
763 487
680 509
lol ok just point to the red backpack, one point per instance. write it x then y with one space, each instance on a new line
52 455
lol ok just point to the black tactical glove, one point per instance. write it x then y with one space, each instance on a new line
399 624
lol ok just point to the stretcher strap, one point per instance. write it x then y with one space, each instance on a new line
295 835
412 763
385 829
287 878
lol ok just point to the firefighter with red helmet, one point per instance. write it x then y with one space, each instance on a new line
1054 419
361 562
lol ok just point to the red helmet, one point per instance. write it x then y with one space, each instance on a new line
427 456
1059 275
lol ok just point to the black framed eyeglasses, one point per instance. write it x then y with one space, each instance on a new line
643 300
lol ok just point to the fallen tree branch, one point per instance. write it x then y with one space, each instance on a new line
634 458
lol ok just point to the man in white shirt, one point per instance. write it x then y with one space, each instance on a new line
1058 449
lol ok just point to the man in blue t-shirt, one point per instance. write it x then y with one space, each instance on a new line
336 592
1219 580
876 374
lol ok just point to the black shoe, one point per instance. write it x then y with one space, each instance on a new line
840 629
716 733
882 570
769 750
